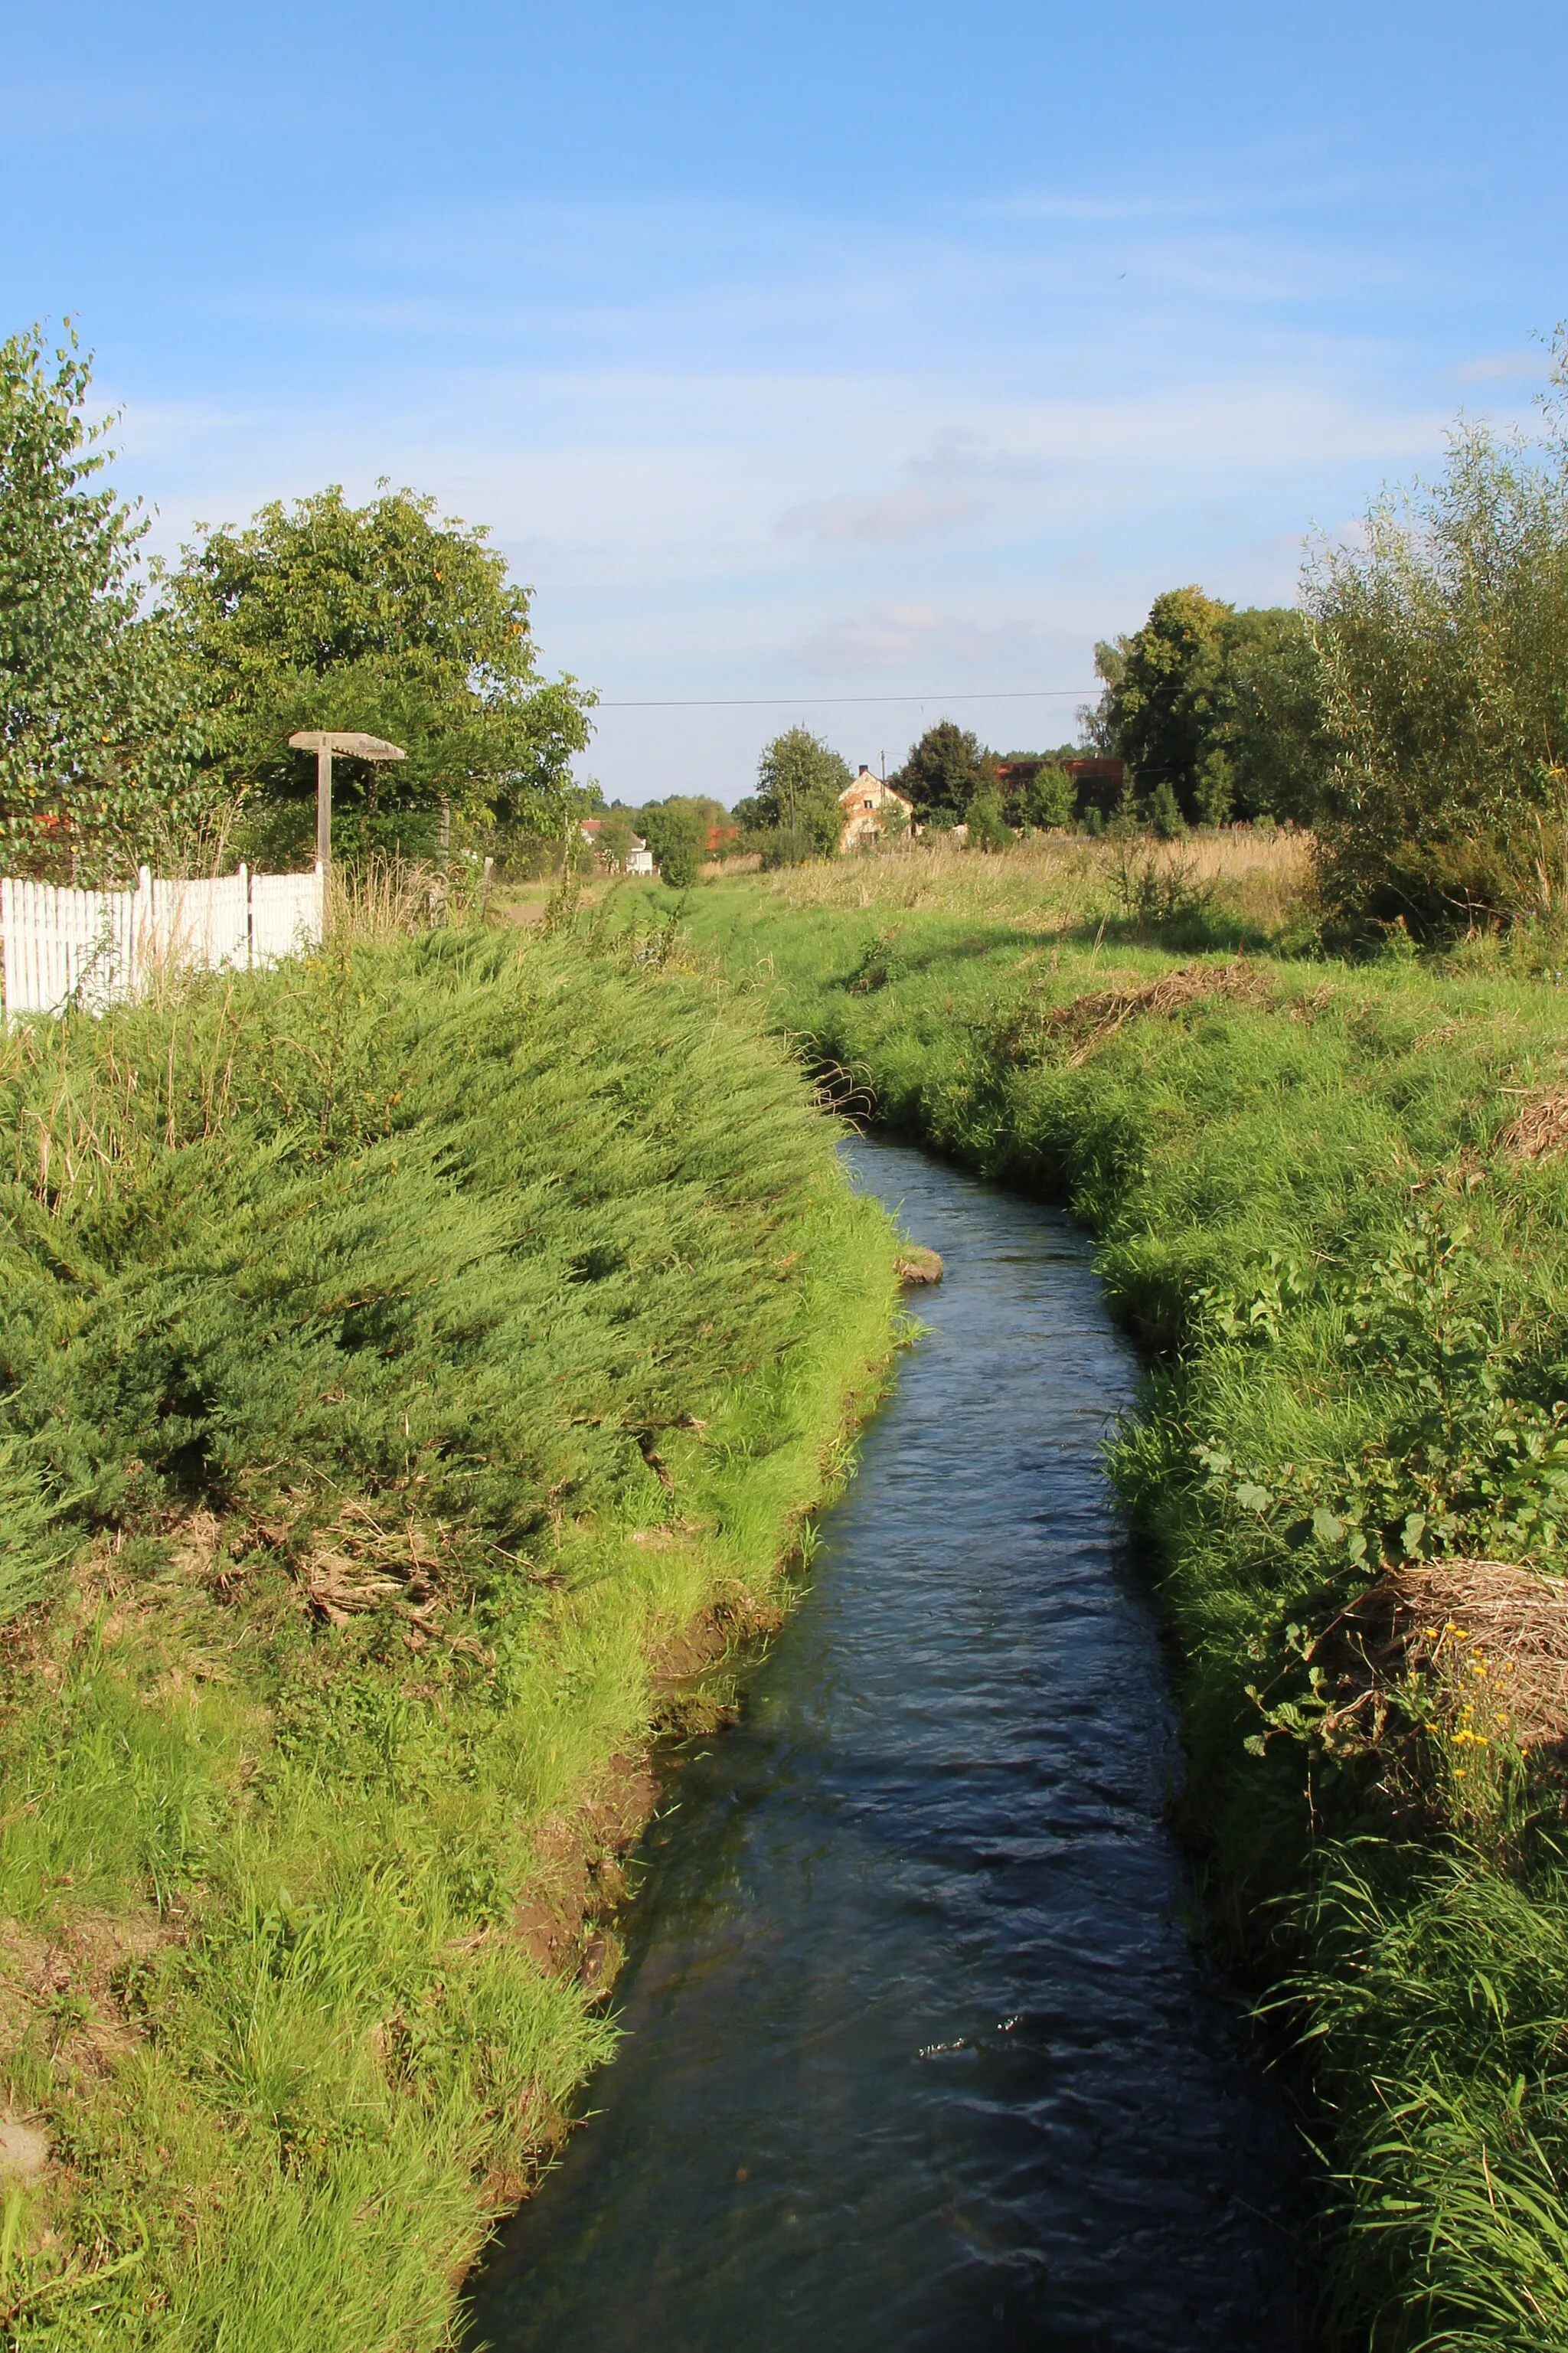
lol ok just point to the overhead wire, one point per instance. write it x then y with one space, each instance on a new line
757 701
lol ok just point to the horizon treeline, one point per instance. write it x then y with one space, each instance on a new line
148 705
1411 710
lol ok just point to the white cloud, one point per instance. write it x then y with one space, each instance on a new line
738 452
1503 367
894 514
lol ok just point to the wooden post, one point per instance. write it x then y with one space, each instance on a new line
324 742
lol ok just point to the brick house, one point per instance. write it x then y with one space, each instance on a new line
865 805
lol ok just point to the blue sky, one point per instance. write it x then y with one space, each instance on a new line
815 353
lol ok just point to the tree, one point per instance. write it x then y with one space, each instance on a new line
677 831
1165 818
96 743
1050 800
1223 706
387 618
942 772
800 779
614 841
1443 640
1269 725
988 829
1157 709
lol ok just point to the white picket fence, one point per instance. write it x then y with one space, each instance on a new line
97 947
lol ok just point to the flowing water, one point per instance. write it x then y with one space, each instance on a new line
918 2052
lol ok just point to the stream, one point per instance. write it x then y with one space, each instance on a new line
918 2051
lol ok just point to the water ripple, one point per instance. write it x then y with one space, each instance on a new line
919 2054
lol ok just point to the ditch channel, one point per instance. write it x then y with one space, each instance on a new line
920 2053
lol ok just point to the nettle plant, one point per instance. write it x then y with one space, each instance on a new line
1472 1453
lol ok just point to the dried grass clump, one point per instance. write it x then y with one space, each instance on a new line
1488 1642
1539 1128
1088 1020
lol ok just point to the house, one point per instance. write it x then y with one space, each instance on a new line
1098 780
639 858
868 804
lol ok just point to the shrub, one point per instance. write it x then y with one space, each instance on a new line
988 830
1444 646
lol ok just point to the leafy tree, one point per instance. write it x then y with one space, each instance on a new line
97 746
678 831
1158 709
1223 706
386 618
988 828
1165 817
942 772
1270 715
614 841
1444 646
893 817
1051 798
799 781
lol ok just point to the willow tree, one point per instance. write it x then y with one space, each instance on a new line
388 619
1443 646
97 740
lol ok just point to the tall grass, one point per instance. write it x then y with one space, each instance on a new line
1315 1203
1235 887
402 1351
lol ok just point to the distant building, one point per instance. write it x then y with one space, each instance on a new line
1098 780
639 858
868 804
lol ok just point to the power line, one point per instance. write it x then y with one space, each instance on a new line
758 702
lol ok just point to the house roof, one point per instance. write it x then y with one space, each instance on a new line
856 791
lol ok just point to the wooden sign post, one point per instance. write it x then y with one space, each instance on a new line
324 743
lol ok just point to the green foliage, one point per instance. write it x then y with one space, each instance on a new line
679 831
398 1350
1222 707
385 619
1357 1303
615 837
1051 799
1165 818
799 781
1444 645
96 746
942 772
988 829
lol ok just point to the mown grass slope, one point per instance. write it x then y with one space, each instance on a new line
1319 1203
403 1353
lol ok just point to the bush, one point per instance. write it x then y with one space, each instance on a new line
1444 646
988 830
1051 800
1165 817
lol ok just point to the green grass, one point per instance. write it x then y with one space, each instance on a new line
405 1353
1354 1299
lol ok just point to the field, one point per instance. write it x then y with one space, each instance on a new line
417 1362
1331 1201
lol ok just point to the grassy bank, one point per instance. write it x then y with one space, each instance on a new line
414 1359
1329 1201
